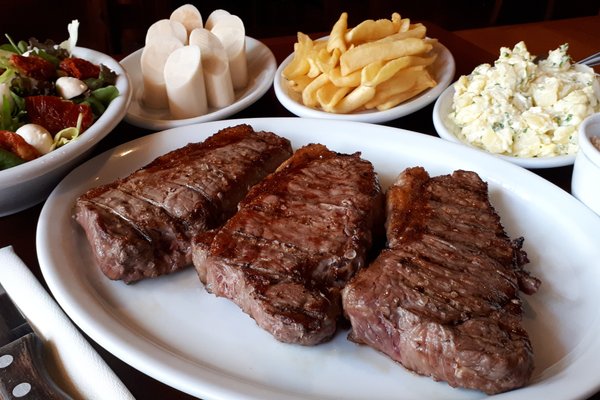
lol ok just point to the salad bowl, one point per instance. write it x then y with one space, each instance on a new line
30 183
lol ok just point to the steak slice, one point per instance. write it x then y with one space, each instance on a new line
141 226
443 297
296 240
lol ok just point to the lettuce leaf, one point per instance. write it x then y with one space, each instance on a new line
12 113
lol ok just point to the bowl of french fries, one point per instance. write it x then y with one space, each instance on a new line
376 71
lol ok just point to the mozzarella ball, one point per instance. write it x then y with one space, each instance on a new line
37 136
69 87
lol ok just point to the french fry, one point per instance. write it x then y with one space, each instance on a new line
364 54
404 85
398 21
418 60
336 37
309 94
401 82
378 64
354 100
401 97
352 80
299 83
313 58
379 71
370 30
416 31
314 69
329 95
326 61
299 64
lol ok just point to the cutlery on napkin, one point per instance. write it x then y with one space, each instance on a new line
79 368
23 372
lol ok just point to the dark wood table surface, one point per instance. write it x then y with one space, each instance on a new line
469 47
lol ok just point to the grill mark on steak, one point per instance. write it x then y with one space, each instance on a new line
166 235
443 297
310 222
469 263
215 176
185 193
297 238
441 293
189 206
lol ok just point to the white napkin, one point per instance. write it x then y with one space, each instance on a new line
82 372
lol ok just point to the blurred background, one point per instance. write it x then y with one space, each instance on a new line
119 26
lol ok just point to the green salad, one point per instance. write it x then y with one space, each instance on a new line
48 96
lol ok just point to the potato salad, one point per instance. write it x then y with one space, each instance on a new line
521 108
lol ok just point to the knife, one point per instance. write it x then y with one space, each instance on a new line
23 374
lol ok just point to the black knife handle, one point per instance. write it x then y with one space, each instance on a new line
23 375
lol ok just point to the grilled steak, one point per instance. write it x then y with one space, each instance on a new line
443 297
141 226
297 238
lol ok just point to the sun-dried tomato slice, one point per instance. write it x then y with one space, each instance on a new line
14 143
79 68
55 114
33 67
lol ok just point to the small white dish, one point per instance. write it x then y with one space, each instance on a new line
443 69
261 71
446 130
585 183
30 183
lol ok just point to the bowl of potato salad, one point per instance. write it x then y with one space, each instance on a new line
525 111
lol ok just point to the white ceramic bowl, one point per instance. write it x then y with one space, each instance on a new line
585 184
261 70
446 128
30 183
443 73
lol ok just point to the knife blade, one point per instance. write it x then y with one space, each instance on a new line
23 373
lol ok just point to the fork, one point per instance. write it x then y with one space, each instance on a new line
591 61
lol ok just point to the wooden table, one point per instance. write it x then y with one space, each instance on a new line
580 33
469 47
